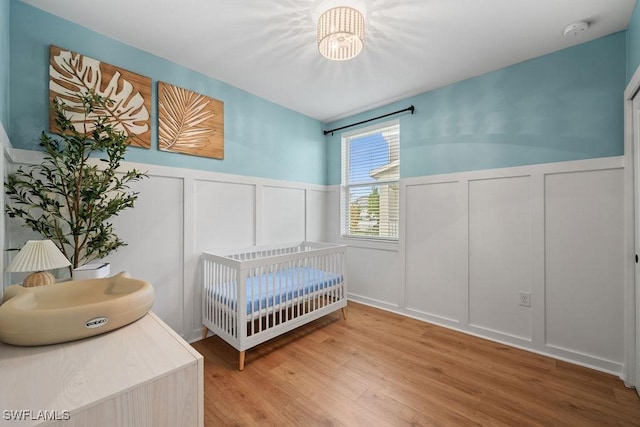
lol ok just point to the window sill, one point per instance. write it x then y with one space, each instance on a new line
384 245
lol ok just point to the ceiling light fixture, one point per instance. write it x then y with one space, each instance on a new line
340 33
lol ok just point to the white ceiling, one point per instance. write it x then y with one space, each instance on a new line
268 47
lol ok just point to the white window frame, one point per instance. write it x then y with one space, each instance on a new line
345 186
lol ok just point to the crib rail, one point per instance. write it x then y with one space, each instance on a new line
259 255
253 295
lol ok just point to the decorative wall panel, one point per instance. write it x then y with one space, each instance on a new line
433 255
129 111
584 261
190 123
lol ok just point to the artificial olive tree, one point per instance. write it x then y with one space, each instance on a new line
73 194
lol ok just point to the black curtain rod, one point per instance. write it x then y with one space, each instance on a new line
412 109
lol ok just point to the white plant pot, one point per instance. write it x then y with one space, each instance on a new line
91 271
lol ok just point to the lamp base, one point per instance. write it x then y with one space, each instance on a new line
39 278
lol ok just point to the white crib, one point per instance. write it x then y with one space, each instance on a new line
255 294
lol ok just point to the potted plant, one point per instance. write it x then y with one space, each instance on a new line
73 194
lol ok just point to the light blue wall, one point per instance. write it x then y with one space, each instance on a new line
4 63
261 138
633 43
563 106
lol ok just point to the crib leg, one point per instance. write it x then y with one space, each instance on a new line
241 364
205 331
344 313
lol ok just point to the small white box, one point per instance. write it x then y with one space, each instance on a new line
91 271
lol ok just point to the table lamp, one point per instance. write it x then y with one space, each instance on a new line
38 256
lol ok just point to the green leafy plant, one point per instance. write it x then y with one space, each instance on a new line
70 197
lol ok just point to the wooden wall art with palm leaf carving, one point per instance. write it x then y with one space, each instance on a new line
190 123
129 111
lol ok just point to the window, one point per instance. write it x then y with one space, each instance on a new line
371 182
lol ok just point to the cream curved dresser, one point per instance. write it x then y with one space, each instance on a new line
143 374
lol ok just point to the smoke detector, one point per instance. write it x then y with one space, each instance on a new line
576 29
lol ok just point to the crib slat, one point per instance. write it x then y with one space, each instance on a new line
282 290
229 282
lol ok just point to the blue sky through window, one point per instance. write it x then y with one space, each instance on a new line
366 154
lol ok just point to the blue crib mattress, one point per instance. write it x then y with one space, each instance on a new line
270 289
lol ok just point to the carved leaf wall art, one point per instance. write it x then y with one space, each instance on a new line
130 111
190 123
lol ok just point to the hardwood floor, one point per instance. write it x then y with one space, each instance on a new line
378 368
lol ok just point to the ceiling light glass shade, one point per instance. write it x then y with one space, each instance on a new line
340 33
38 256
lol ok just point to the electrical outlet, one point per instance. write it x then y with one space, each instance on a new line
525 299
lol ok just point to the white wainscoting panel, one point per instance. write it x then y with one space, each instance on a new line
500 255
584 262
332 214
224 215
153 232
433 220
373 275
283 215
316 202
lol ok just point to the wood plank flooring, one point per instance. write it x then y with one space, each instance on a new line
381 369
